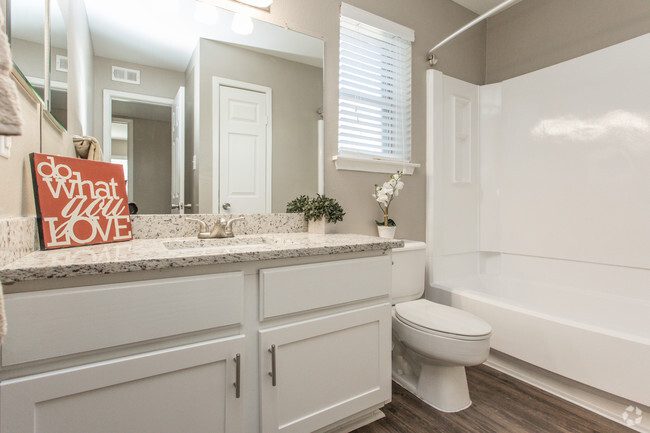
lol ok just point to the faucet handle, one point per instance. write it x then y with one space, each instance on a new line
229 232
204 225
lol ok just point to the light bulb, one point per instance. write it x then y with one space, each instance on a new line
242 24
206 14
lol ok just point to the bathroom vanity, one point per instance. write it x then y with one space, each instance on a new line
265 333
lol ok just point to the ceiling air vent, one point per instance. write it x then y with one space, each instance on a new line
131 76
61 63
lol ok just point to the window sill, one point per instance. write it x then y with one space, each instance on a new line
373 165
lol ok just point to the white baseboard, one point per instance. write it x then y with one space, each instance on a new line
597 401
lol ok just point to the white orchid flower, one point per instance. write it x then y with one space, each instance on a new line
384 194
398 187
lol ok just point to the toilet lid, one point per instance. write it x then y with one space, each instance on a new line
441 318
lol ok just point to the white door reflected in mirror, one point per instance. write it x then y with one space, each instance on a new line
242 142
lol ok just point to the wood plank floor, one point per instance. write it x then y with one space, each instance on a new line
500 404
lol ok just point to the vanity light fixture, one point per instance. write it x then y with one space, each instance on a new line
242 24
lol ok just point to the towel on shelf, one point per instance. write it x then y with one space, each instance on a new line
88 148
11 122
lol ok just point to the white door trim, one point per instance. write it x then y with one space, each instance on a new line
178 152
217 82
107 112
129 123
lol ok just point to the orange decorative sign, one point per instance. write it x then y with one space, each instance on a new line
79 202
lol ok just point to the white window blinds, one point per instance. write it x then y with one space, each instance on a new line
374 89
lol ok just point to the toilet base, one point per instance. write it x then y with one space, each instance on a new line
444 387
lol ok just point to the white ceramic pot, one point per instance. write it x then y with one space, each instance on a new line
387 232
320 227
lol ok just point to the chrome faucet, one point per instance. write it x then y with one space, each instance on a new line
222 229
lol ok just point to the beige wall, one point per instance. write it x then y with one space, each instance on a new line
534 34
432 20
297 95
29 58
152 165
153 82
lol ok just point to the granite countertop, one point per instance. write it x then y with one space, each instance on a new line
152 254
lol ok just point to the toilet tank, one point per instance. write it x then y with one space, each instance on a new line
408 271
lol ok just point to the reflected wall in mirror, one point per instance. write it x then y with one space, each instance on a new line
29 54
240 132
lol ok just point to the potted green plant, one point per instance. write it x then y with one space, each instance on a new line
321 212
384 195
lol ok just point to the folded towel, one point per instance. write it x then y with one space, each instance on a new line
11 121
88 148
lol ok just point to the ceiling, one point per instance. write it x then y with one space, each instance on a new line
479 6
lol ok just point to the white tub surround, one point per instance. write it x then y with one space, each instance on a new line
538 214
280 332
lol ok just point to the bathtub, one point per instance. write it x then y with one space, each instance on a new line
596 339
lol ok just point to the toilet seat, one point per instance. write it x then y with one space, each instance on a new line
442 320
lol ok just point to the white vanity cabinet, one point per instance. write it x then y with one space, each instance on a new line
193 353
183 389
322 370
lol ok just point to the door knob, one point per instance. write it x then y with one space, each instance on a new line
226 206
175 206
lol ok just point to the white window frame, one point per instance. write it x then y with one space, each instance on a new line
345 159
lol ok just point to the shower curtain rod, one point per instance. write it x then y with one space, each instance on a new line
506 4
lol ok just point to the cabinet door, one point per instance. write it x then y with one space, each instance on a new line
184 389
326 369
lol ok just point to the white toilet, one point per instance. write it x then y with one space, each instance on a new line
432 343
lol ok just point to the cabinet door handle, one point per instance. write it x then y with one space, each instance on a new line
273 372
237 383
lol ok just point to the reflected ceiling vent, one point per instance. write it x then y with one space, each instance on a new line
124 75
61 63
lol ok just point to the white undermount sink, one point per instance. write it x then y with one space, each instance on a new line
215 244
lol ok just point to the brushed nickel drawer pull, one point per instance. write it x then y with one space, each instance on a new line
237 383
273 372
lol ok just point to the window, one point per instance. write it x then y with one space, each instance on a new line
374 90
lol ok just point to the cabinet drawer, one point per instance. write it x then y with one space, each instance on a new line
293 289
67 321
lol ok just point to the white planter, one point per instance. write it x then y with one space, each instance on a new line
387 232
320 227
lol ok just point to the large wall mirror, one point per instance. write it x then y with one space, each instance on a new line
208 110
